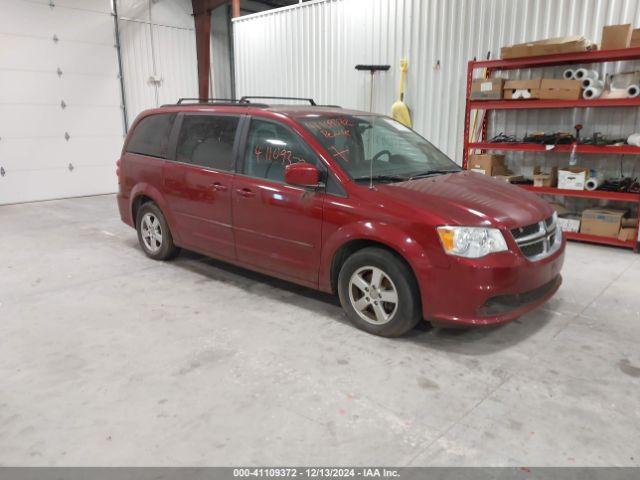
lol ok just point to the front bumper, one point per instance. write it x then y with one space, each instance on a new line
495 289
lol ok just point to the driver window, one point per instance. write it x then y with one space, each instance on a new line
270 148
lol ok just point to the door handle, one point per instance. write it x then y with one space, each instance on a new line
245 192
219 187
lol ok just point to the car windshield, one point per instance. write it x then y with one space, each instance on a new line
378 147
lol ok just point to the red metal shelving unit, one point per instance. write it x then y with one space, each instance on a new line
581 237
544 104
536 147
598 56
601 194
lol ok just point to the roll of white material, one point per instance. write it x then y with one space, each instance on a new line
568 74
591 93
634 139
633 91
590 82
593 183
521 94
621 81
583 73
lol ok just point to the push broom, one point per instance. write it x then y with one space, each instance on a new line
399 109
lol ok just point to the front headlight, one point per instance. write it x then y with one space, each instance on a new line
471 242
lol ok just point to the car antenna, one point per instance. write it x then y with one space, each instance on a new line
372 69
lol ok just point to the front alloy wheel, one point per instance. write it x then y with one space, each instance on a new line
379 292
373 295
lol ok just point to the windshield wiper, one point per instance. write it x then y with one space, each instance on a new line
382 178
429 173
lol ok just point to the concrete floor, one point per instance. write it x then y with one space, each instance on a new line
109 358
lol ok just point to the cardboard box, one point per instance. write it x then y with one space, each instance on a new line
635 38
549 179
602 222
549 46
616 36
555 89
569 223
629 222
572 178
487 164
487 89
626 234
528 171
513 87
509 178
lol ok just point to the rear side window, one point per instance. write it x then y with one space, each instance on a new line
151 136
207 141
270 148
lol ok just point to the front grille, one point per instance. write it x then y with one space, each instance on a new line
532 250
538 240
525 231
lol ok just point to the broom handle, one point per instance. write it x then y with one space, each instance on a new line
371 91
403 76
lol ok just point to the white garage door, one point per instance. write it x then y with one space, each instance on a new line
61 126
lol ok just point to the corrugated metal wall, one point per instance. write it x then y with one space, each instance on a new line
166 42
311 50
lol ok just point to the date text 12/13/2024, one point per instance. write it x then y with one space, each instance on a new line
316 472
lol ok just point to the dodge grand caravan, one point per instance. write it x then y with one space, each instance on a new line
342 201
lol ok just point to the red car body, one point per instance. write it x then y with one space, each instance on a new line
300 235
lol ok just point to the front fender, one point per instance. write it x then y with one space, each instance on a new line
380 232
154 194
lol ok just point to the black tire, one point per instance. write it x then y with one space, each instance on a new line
407 311
166 249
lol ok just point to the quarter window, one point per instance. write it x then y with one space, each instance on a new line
207 141
151 136
270 148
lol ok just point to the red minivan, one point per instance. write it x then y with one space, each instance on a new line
343 201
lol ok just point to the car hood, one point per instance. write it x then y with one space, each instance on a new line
472 199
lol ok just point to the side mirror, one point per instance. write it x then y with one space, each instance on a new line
302 174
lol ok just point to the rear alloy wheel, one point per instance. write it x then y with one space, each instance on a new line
153 233
379 293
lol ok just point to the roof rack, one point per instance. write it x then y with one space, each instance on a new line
210 100
311 101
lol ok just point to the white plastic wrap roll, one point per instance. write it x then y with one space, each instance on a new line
591 93
621 81
583 73
633 91
521 94
634 139
591 82
568 74
593 183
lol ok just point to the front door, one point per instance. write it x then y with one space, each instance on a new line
277 226
198 183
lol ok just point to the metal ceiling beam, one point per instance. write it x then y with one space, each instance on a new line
205 6
202 18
